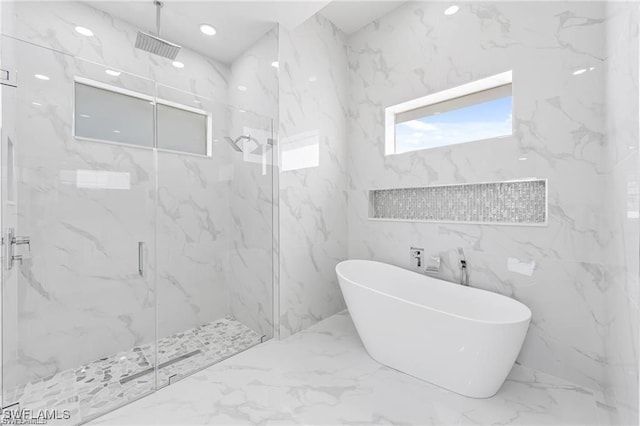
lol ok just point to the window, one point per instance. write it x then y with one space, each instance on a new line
475 111
109 114
106 115
181 129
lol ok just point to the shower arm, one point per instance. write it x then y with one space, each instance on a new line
158 13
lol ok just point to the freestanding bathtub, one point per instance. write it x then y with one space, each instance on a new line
460 338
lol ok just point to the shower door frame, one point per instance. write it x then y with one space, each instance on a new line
273 167
22 141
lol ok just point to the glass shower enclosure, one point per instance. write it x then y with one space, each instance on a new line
137 211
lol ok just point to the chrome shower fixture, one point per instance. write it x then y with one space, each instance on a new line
234 143
153 43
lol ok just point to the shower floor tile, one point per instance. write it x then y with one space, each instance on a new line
97 387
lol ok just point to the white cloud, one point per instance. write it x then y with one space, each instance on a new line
433 135
419 125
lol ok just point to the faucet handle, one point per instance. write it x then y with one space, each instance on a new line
22 240
416 255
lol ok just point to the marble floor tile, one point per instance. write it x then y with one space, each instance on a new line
323 376
96 388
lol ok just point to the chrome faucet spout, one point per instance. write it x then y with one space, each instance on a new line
464 272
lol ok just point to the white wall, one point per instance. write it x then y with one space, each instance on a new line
559 129
313 177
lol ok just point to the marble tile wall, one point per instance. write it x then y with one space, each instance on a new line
623 202
330 93
252 201
80 282
559 135
80 289
313 82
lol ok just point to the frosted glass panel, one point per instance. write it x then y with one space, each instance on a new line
182 130
110 116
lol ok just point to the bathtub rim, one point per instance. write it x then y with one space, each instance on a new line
527 318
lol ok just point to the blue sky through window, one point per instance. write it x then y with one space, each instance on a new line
484 120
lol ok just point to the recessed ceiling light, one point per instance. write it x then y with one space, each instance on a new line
36 103
41 77
242 88
84 31
178 64
451 10
116 131
275 64
580 71
241 110
85 115
207 29
522 158
113 73
592 68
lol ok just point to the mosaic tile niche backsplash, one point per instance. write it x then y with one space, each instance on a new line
518 202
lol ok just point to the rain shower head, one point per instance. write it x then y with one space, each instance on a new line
156 45
153 43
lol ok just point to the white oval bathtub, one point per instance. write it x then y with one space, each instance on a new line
460 338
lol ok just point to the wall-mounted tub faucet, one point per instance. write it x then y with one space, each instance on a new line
416 256
432 266
464 273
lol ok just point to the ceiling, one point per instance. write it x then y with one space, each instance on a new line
350 16
239 24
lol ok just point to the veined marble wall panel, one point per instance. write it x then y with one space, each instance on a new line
559 134
253 95
82 297
192 240
623 202
192 233
313 172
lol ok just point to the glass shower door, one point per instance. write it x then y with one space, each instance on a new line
214 231
78 205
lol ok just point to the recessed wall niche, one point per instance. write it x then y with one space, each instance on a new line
521 202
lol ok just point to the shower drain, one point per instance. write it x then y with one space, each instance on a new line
163 365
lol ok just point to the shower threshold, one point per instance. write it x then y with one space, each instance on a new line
108 383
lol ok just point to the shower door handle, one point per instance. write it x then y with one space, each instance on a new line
8 77
141 258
